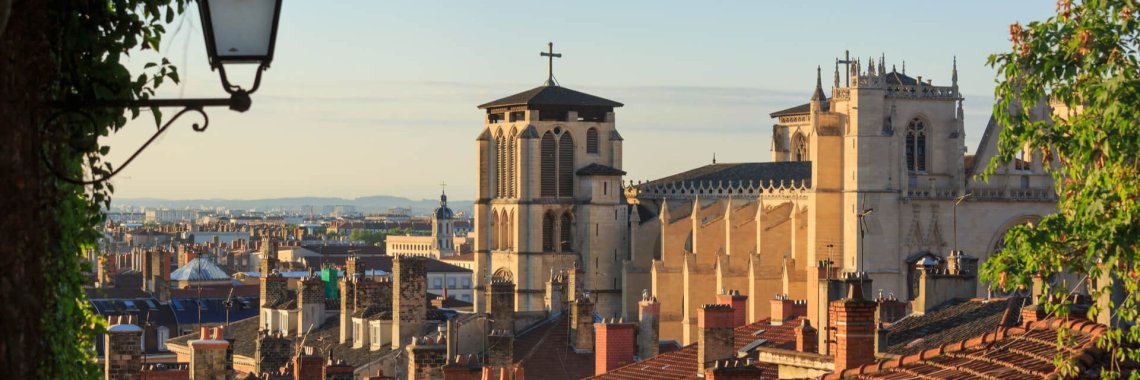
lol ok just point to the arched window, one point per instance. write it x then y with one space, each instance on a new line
500 165
592 140
916 146
799 148
548 232
565 165
505 231
547 165
566 232
511 164
494 229
511 230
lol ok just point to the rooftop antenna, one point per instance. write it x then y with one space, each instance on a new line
863 232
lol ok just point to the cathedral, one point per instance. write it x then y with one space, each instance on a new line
871 176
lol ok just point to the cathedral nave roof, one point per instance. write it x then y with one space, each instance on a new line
552 96
763 172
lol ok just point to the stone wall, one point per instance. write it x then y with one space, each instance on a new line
409 304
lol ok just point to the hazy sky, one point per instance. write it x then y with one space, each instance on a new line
379 97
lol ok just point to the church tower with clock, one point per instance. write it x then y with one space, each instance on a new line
549 195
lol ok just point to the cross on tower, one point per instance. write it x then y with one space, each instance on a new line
550 64
846 61
443 187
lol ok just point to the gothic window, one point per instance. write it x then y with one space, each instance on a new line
484 174
565 165
916 146
800 148
494 229
505 233
510 231
548 232
511 163
566 231
592 140
500 165
547 165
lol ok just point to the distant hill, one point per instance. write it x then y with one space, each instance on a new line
369 204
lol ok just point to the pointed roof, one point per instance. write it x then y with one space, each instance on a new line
895 77
818 95
552 95
199 269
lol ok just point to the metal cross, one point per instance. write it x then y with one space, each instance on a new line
443 186
550 64
846 61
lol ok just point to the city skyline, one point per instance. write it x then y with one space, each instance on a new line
383 101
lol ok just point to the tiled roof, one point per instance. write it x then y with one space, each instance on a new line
551 96
599 169
544 352
682 364
953 323
800 109
764 172
1005 354
470 256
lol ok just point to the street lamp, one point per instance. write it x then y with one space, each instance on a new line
236 32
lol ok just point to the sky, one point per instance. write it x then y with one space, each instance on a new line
379 97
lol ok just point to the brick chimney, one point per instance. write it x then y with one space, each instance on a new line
426 357
311 299
208 356
160 275
890 309
347 306
352 266
1032 314
308 367
649 326
337 369
122 350
738 302
854 321
715 340
409 301
785 309
273 289
614 345
501 299
807 338
272 352
500 349
582 324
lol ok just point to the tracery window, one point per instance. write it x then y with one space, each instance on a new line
799 148
916 146
512 146
565 165
547 165
566 233
548 232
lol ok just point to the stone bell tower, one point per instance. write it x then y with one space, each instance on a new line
549 193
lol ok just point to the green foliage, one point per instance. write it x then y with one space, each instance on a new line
369 237
93 38
1069 89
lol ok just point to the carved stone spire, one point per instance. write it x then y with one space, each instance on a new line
836 85
954 73
883 64
818 94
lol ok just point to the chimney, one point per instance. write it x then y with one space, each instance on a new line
1032 314
715 340
426 357
272 351
614 345
409 301
347 307
500 349
122 350
272 291
890 309
351 266
807 338
855 330
311 299
337 369
649 326
738 302
308 367
555 294
573 283
582 324
785 309
208 356
501 298
734 369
